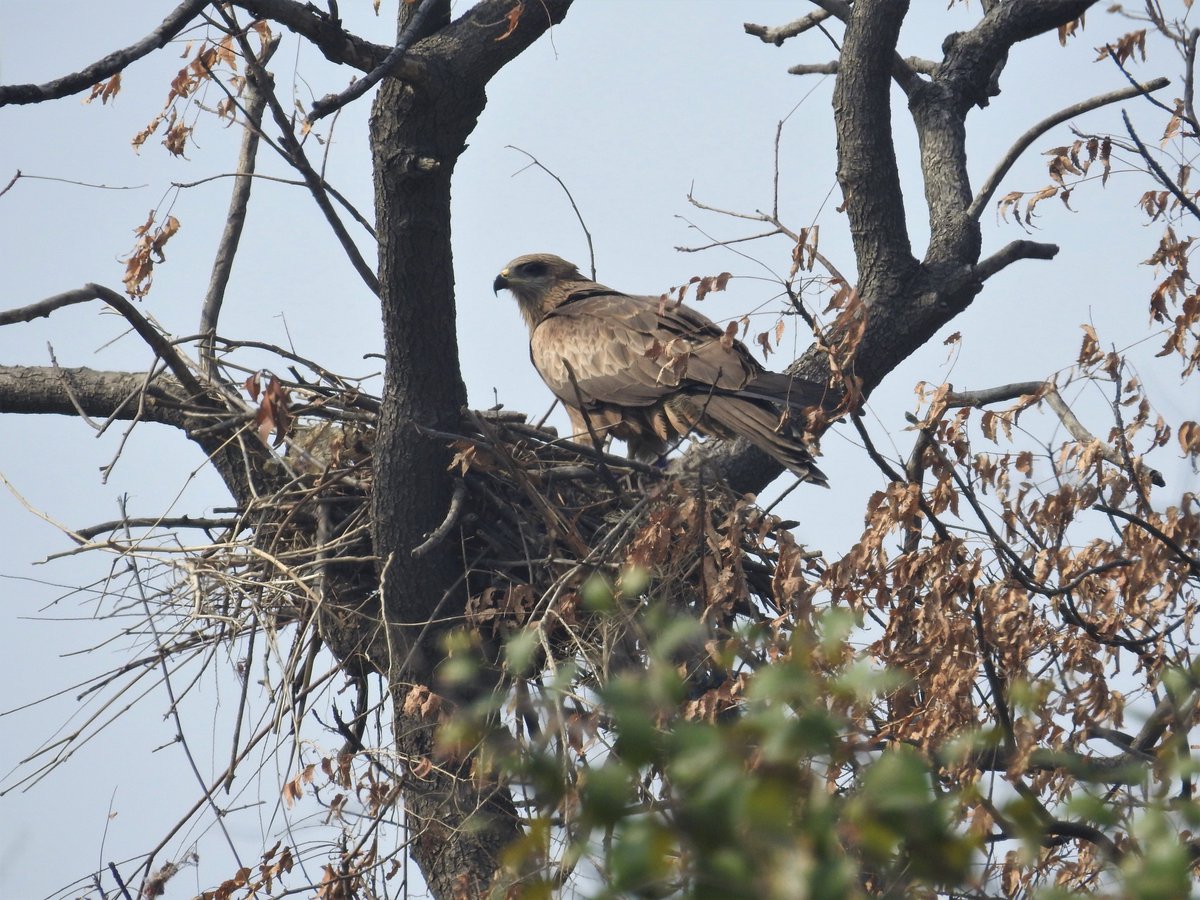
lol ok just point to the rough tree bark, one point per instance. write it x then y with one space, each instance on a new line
418 132
906 300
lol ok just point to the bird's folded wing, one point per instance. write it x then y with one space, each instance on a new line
622 350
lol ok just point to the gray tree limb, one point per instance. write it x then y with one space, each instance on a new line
108 66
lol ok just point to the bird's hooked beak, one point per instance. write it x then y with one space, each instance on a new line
500 282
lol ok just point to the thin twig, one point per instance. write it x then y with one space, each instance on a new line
173 708
1077 430
235 219
70 390
1144 92
1162 176
106 67
534 161
332 102
768 218
120 883
293 152
71 181
259 176
1192 562
452 514
992 184
587 423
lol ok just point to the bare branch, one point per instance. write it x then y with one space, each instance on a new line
1170 111
235 219
151 335
1189 74
259 176
439 534
1011 253
825 68
778 34
999 394
912 63
1163 179
1055 401
155 522
1192 562
71 392
325 31
578 215
294 153
43 308
332 102
106 67
758 216
39 390
992 184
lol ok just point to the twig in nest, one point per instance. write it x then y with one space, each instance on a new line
439 534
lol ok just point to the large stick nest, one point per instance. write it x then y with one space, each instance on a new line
555 537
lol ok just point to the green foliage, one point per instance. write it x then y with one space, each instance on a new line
749 801
776 795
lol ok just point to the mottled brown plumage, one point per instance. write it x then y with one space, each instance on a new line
650 372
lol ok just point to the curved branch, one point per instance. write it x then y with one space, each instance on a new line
293 152
1011 253
148 333
106 67
972 60
333 102
1022 143
440 533
534 161
235 220
1163 178
323 30
1192 562
777 35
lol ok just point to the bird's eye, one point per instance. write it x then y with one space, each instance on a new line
534 269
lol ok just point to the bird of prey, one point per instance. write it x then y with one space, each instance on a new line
649 371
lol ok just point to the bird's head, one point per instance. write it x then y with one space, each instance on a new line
539 282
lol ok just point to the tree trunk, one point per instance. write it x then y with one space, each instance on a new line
418 132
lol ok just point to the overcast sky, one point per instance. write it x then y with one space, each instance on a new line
633 105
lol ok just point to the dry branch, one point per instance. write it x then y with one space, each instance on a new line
992 184
110 65
390 65
778 34
235 219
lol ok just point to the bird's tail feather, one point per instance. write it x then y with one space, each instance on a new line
760 425
796 393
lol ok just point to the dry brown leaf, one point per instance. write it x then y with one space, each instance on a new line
513 17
